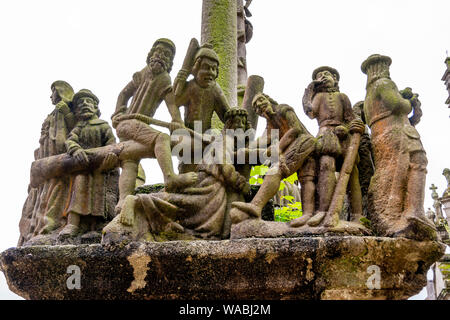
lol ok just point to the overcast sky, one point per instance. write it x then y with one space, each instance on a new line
98 45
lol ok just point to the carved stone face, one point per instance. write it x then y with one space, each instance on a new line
206 73
262 106
161 58
329 80
55 97
86 108
238 122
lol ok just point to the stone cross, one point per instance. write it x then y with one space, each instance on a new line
433 189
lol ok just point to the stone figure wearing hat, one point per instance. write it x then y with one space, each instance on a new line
149 87
44 206
91 191
333 111
201 96
396 191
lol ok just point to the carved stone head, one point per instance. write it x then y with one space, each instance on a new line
263 105
61 90
160 57
206 66
328 75
86 105
236 118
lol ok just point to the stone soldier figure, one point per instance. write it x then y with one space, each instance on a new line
45 205
333 111
88 193
295 147
396 191
149 88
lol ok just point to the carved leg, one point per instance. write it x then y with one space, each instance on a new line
72 227
127 213
416 187
163 154
241 211
127 181
326 184
417 225
308 190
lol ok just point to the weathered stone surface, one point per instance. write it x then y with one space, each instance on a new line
302 268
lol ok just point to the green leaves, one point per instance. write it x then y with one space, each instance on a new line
292 178
294 209
257 173
259 170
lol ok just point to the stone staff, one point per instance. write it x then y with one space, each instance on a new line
337 201
255 84
186 69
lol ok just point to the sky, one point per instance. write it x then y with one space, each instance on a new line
99 44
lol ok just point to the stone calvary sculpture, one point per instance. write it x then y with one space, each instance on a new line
357 187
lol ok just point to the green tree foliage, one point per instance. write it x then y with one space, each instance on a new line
286 213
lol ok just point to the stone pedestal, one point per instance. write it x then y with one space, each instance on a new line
287 268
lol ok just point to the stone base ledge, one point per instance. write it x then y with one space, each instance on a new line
286 268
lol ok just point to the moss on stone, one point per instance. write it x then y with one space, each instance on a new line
151 188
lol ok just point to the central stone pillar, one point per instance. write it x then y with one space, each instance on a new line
219 27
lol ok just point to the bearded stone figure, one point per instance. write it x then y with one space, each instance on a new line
149 88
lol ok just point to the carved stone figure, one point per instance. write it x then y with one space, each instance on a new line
446 174
396 191
431 215
437 204
201 96
44 207
90 190
366 166
295 147
337 124
200 211
149 88
244 35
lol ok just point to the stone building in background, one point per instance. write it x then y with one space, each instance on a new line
438 288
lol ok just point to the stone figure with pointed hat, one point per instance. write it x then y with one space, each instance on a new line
396 191
149 87
93 194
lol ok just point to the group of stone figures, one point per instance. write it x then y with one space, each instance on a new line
76 194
